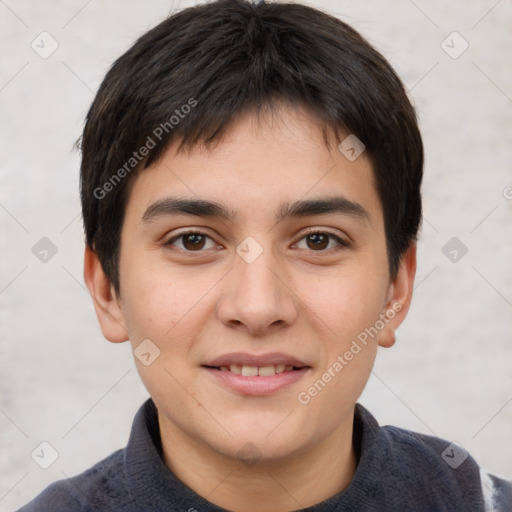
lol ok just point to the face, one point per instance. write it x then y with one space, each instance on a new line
258 272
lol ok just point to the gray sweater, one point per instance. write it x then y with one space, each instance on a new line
397 470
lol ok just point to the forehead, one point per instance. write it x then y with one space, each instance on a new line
261 163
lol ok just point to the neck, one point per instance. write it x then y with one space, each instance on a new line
299 481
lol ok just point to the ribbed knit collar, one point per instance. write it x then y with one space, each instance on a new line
396 470
154 487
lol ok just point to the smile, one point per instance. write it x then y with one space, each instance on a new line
253 371
255 375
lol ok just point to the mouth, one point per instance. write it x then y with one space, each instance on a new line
256 375
256 371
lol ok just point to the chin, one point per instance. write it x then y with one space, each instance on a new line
252 452
264 443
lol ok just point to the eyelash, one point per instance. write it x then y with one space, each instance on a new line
343 244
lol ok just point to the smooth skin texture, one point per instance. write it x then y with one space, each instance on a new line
305 295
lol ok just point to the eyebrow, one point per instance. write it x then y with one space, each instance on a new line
304 208
323 206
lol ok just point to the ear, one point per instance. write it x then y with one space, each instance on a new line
399 297
106 303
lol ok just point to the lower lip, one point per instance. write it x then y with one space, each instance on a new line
256 386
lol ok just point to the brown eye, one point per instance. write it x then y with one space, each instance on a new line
317 241
321 241
191 242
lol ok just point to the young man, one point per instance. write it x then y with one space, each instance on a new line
251 198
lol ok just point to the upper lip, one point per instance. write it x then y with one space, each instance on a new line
259 360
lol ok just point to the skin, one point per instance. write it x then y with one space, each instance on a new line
295 298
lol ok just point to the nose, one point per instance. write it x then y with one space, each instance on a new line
256 297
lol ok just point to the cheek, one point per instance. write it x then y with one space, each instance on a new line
346 302
165 305
160 309
345 305
158 313
344 314
151 302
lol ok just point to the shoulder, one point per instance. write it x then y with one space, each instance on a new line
431 450
448 468
497 492
102 487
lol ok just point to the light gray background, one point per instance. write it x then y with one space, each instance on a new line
450 371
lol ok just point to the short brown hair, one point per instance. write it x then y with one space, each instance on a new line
193 74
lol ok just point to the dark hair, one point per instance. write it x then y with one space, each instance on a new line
189 77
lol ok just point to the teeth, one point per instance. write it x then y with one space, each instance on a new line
267 370
249 371
235 369
253 371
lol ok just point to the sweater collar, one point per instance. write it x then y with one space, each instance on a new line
154 487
